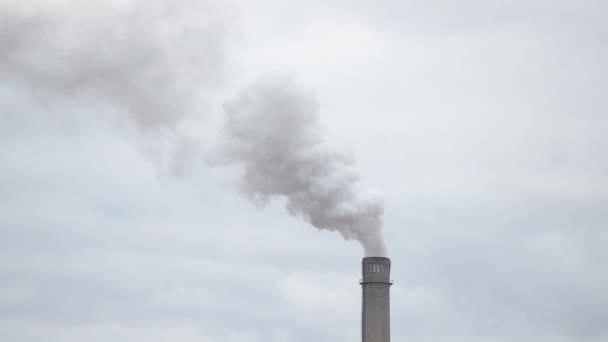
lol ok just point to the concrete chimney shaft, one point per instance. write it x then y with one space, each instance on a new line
376 283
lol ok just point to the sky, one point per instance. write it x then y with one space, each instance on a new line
480 124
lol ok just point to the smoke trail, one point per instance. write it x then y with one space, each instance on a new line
155 62
152 60
273 129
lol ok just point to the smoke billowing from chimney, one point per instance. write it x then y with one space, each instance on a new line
155 62
272 128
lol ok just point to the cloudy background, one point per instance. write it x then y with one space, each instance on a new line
481 123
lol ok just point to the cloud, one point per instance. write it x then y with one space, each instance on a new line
318 292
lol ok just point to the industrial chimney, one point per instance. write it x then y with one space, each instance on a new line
376 283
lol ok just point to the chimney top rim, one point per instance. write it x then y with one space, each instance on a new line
382 260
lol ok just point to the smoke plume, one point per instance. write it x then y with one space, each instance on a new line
151 61
272 128
155 62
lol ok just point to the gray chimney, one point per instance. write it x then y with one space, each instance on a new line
376 283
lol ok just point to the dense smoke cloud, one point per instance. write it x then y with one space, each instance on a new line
273 129
151 60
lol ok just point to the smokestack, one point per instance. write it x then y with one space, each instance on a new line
375 316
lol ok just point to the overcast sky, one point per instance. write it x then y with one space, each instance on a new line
481 123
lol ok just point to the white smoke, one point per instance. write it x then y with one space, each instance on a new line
272 128
153 60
